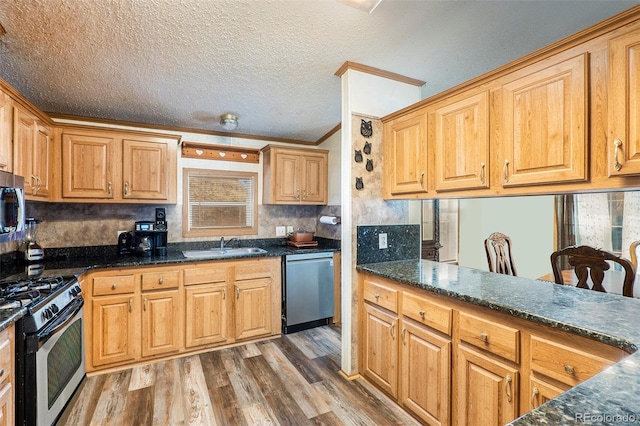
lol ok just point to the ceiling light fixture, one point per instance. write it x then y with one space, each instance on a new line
229 121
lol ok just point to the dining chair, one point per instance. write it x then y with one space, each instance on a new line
499 254
589 262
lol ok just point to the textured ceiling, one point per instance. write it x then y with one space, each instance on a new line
185 62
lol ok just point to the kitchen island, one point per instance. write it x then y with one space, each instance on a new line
611 395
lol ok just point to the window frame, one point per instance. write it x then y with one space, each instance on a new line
216 232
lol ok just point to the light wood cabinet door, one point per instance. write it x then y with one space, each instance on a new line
461 143
88 166
542 391
6 405
115 325
405 154
252 308
24 132
314 179
623 144
487 392
161 323
206 309
544 125
6 132
145 168
426 373
380 353
42 160
287 178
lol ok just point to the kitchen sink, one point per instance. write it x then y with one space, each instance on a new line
216 253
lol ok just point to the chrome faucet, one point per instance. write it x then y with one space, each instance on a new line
223 244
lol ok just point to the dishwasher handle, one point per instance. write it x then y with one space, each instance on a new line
303 261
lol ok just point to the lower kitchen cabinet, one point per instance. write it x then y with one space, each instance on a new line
114 326
7 387
206 315
161 311
161 323
488 390
426 373
380 353
453 362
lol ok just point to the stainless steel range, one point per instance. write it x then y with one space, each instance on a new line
49 345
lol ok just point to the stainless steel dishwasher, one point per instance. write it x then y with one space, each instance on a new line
307 291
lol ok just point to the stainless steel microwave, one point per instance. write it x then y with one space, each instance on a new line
12 207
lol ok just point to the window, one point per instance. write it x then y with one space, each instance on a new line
218 203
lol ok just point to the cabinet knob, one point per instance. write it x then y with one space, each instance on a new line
569 370
484 337
161 281
376 296
113 287
1 372
421 313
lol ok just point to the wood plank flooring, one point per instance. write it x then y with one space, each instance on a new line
292 380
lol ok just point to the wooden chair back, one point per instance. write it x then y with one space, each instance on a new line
499 257
589 262
633 253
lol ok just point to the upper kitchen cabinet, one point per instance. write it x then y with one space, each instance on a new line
6 130
295 175
459 131
103 165
623 143
543 125
405 156
32 149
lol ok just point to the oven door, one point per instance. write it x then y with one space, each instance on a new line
60 365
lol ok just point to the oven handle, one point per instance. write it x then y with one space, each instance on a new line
62 321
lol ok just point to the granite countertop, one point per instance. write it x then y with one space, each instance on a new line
614 320
77 260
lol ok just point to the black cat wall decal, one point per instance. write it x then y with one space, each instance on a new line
366 128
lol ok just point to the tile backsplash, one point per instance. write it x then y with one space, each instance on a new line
403 243
87 224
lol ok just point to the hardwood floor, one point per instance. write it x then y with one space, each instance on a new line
292 380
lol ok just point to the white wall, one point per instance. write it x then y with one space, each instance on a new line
528 221
333 145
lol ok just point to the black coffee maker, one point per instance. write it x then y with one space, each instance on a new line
150 238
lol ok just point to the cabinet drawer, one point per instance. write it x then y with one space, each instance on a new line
426 312
6 357
160 280
381 295
496 338
253 270
117 284
205 275
564 363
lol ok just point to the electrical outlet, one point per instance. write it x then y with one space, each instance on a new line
289 229
382 241
280 231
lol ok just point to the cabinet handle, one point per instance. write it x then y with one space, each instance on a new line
507 387
298 195
484 337
38 185
161 281
237 292
224 294
404 331
569 370
144 306
376 296
113 287
109 189
126 188
506 171
535 393
616 147
34 183
304 194
130 305
1 372
422 179
392 330
482 173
